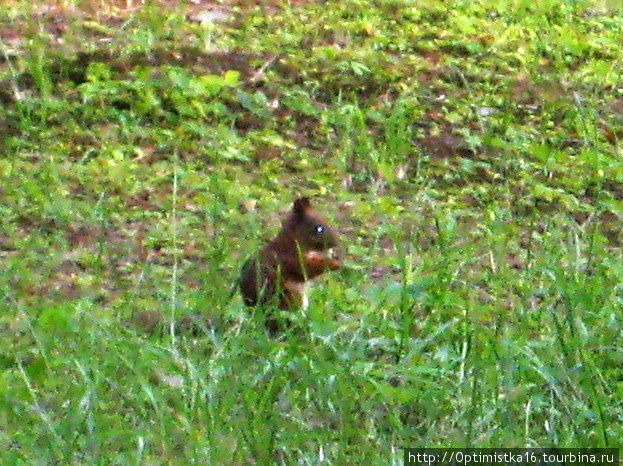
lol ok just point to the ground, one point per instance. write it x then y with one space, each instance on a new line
469 152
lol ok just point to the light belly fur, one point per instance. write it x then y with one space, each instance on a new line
302 290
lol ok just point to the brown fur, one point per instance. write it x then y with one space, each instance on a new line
297 254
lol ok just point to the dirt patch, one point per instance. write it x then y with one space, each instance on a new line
215 63
610 227
617 106
526 92
75 69
10 36
434 57
615 188
447 145
79 235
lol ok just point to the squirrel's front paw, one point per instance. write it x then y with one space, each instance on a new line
334 264
334 261
319 260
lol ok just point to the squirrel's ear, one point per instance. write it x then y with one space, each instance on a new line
300 205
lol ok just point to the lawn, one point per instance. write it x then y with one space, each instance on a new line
470 153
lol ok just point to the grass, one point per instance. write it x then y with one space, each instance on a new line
469 153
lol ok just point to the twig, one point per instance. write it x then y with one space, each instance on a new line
14 86
259 74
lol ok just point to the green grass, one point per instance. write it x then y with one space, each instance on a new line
470 153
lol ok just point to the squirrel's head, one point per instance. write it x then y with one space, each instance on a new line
310 229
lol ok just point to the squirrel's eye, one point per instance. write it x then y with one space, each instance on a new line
319 229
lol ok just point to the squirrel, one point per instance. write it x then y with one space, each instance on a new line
283 266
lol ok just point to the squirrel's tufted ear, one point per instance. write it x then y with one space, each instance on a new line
300 205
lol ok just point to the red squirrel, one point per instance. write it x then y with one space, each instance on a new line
298 253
